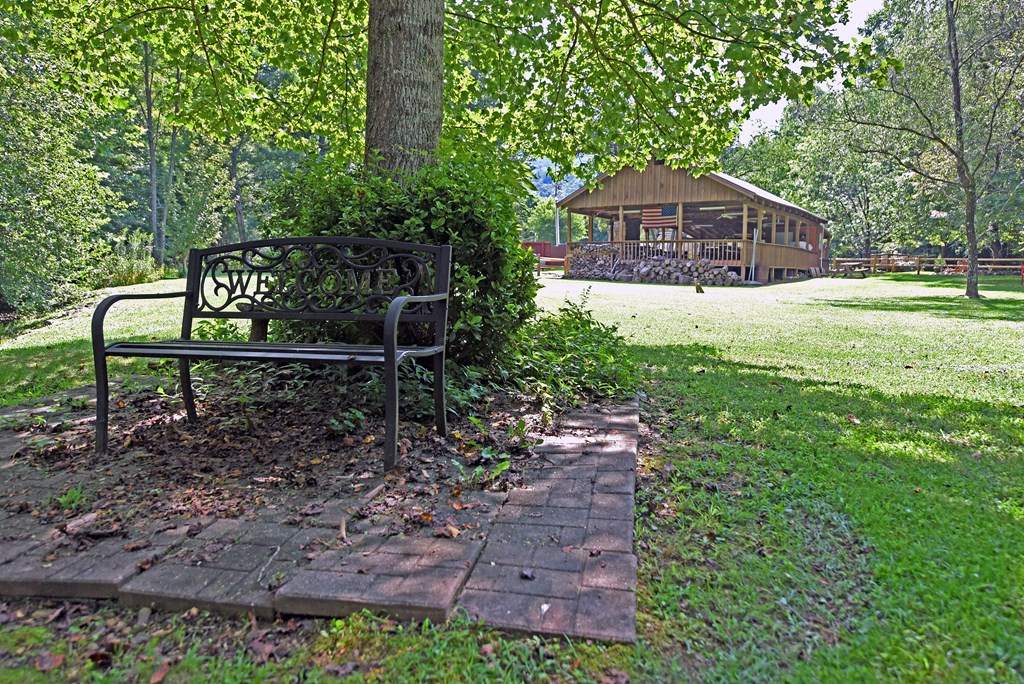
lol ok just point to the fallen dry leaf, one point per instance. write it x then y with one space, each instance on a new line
161 672
341 671
614 677
262 649
47 661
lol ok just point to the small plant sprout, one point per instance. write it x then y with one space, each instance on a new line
74 499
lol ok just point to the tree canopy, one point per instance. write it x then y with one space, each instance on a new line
619 80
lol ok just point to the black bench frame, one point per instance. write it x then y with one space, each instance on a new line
363 280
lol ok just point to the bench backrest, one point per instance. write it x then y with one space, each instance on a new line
316 279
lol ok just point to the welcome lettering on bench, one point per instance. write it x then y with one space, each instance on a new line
351 281
309 280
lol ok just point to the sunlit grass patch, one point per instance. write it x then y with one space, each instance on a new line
834 483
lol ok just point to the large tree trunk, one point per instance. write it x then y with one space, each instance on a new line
972 242
967 184
404 83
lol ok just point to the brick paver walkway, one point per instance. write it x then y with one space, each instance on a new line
554 557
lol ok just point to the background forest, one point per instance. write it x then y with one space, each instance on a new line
917 161
93 180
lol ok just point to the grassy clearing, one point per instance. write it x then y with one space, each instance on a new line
837 490
56 354
833 490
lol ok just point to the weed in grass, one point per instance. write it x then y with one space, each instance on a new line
381 650
221 329
74 499
21 639
347 421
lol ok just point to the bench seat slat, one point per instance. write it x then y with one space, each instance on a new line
236 351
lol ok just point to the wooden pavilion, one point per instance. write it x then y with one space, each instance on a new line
668 211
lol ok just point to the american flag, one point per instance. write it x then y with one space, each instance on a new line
655 217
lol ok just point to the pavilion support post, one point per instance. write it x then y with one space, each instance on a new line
743 237
679 229
622 224
590 228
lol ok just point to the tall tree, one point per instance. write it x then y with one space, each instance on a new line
950 115
812 159
404 82
52 201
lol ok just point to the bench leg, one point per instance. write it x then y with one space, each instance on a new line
440 417
102 402
390 415
186 389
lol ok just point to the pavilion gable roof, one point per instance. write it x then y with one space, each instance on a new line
742 188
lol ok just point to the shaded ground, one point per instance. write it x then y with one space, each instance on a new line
7 313
260 510
250 462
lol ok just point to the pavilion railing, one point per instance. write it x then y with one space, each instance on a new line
720 252
725 252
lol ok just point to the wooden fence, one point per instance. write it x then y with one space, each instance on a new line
891 263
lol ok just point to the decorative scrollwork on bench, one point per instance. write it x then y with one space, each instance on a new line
312 278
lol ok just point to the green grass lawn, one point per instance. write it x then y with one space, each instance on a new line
57 355
837 490
832 487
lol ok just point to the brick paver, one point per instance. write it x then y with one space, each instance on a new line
559 559
554 557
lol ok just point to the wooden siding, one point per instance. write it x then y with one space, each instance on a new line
658 184
783 256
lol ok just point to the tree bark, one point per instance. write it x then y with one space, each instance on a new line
168 189
161 243
404 84
236 189
997 246
154 207
967 184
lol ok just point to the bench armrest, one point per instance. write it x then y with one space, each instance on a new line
395 311
100 313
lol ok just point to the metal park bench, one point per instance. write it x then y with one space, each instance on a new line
377 284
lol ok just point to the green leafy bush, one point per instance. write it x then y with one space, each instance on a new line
466 201
53 201
131 260
563 357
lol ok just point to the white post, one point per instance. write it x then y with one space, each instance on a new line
558 239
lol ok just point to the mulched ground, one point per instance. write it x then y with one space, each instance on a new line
284 445
279 452
93 634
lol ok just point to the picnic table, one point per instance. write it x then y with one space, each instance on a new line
547 263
